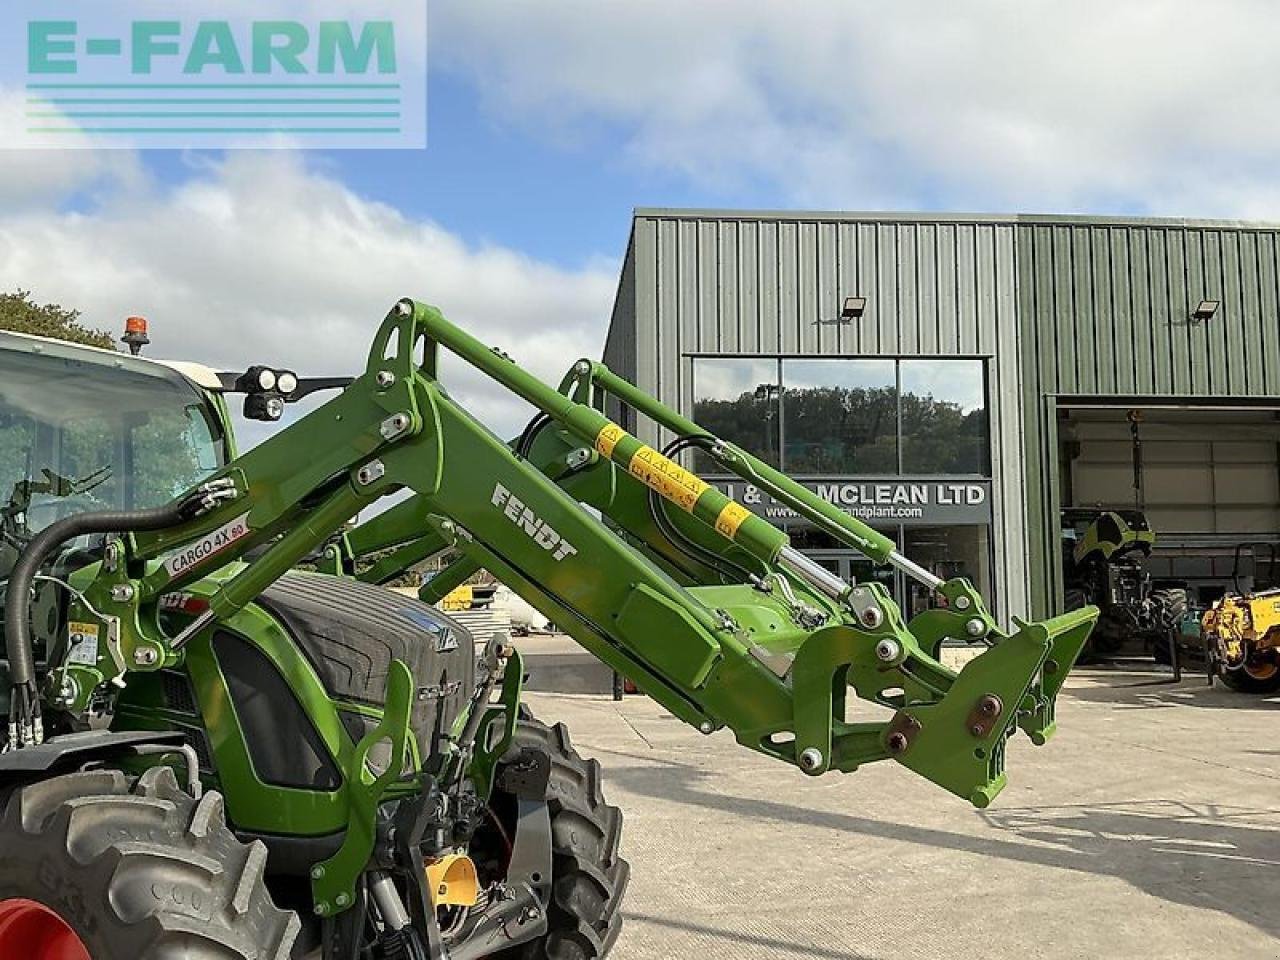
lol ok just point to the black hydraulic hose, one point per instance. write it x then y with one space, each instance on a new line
657 512
530 433
17 613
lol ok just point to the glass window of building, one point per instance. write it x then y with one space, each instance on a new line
956 551
847 564
737 399
840 417
944 417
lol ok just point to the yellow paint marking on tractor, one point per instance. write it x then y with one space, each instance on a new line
608 438
667 477
731 518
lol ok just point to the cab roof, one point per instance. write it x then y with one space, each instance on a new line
197 374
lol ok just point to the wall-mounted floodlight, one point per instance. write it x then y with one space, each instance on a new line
854 307
1204 311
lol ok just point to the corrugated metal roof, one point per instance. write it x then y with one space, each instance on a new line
897 216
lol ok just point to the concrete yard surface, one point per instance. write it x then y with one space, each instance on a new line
1148 828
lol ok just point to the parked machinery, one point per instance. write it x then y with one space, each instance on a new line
1105 555
1241 631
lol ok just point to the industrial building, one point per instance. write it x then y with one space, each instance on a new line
957 381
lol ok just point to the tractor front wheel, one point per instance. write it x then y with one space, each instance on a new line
589 878
100 866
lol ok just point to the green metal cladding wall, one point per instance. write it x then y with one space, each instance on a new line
1105 310
1056 305
760 283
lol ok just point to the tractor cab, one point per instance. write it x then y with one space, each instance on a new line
1106 535
83 428
88 429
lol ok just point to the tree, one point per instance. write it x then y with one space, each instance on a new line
851 430
21 314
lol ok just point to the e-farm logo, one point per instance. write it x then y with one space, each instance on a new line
130 74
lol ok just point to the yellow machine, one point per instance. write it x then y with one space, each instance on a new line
1242 632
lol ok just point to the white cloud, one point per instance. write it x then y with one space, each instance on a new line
1165 106
258 258
37 178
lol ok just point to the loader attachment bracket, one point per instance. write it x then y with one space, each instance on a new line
333 882
497 729
1067 637
949 727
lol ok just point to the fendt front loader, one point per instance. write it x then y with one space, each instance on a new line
212 755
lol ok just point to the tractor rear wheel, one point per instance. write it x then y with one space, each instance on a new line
100 866
1256 676
1101 643
589 878
1172 606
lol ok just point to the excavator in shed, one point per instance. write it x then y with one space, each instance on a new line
225 741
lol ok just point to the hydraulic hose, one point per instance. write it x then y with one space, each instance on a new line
17 622
24 713
657 511
530 433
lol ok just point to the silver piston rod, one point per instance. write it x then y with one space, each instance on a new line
915 571
813 573
824 580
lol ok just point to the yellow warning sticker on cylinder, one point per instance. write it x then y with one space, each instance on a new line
608 438
668 478
730 519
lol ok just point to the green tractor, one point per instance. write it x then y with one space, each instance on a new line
1105 555
214 754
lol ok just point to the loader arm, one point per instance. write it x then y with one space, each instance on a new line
705 606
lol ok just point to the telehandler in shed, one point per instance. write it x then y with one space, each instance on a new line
214 755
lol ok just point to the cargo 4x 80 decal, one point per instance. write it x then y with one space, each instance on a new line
210 545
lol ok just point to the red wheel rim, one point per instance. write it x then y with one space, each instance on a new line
32 931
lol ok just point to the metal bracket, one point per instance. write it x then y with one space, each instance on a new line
489 751
333 882
394 425
371 471
779 664
982 718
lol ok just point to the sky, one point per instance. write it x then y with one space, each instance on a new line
550 122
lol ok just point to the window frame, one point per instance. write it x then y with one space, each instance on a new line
897 359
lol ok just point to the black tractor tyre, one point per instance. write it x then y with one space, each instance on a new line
140 870
1173 606
589 878
1100 643
1242 681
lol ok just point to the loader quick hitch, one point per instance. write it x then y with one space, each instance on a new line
948 727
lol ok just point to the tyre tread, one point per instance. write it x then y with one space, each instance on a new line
591 878
126 840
